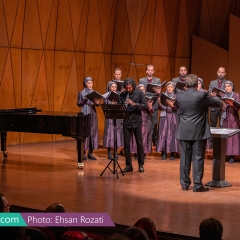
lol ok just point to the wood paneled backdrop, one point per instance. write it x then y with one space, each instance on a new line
47 47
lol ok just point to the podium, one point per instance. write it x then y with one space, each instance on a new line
219 136
114 112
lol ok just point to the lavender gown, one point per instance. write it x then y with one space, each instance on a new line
89 108
108 139
231 120
167 128
146 133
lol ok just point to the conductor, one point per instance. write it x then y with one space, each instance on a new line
193 132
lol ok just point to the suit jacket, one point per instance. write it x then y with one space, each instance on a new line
155 80
135 114
213 84
192 110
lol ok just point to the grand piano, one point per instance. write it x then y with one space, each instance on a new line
33 120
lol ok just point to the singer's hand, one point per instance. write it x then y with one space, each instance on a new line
129 101
170 103
113 102
213 94
220 94
96 101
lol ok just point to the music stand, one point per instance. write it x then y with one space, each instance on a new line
114 111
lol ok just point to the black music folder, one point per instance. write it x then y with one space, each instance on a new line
119 85
93 95
164 98
180 85
237 104
218 90
113 97
150 86
152 99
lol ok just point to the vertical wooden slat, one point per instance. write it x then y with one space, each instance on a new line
17 35
44 9
10 10
3 59
64 33
3 27
32 37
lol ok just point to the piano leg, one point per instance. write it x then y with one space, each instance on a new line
80 149
3 145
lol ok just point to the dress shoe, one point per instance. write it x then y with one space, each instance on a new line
84 157
185 188
141 169
201 190
110 156
128 168
172 158
90 156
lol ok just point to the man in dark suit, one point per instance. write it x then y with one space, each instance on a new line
134 100
193 131
151 79
215 114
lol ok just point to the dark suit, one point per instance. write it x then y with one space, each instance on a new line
193 132
154 116
134 124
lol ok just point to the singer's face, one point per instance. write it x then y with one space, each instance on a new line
113 88
129 88
89 84
170 88
143 89
117 75
182 71
221 73
199 85
150 71
228 87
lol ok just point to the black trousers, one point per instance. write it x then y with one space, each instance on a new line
127 133
192 151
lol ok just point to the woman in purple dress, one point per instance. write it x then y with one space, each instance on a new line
230 119
88 107
146 128
108 139
167 126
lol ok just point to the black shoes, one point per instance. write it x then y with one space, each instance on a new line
203 189
141 169
128 168
90 156
231 159
185 188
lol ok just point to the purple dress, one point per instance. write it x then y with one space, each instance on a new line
167 128
231 120
146 133
88 107
108 139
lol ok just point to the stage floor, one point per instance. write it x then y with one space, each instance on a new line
37 175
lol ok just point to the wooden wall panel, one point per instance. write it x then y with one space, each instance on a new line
49 57
10 11
63 63
144 43
182 62
64 33
81 40
135 14
16 62
94 38
206 59
3 27
109 68
18 26
51 31
3 59
80 68
141 62
76 11
44 8
234 52
182 45
160 40
32 37
121 40
160 64
31 60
